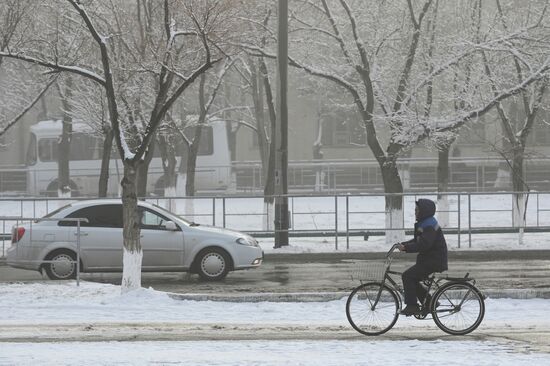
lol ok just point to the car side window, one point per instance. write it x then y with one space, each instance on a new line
98 216
151 220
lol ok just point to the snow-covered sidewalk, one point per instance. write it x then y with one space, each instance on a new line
66 303
270 353
57 307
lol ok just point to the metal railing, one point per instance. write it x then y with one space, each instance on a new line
19 219
339 216
347 175
340 175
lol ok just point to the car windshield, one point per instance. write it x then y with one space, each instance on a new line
53 213
171 214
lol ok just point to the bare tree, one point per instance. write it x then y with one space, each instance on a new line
361 54
89 106
516 133
64 142
21 88
196 26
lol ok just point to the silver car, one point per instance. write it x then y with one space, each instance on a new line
169 243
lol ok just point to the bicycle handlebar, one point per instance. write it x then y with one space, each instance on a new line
392 249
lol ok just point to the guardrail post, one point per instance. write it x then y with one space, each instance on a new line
213 211
291 215
347 222
336 222
469 220
78 253
3 239
223 211
538 208
459 214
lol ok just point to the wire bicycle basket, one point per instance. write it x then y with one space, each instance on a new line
364 271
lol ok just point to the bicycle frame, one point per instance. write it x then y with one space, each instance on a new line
444 301
432 283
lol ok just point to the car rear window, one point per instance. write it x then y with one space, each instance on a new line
54 212
98 216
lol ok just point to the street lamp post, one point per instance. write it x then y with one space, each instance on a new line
281 138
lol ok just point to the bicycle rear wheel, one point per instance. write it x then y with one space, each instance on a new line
370 314
458 308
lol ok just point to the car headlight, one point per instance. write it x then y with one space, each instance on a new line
250 241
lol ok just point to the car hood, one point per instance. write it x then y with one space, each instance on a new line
218 230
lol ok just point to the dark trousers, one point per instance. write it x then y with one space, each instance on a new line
411 283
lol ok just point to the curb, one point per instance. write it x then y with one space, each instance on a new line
454 254
522 294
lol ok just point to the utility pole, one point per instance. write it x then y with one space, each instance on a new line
281 138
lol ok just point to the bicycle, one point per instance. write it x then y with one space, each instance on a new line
457 306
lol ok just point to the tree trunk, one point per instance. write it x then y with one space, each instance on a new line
258 100
405 172
169 164
518 185
167 149
133 255
105 163
181 176
443 185
503 178
260 82
143 171
318 155
194 146
394 202
269 185
64 145
64 149
319 172
191 165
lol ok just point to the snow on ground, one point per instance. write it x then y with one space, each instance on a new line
276 353
103 303
54 303
40 303
93 303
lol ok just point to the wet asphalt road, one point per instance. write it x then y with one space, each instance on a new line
330 272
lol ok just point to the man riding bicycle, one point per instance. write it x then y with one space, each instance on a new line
429 242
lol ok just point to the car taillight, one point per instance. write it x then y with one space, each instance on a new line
17 234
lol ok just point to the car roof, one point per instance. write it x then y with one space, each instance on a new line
107 201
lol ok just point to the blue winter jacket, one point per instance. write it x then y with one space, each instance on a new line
429 241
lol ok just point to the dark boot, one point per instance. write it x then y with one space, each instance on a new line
426 307
411 310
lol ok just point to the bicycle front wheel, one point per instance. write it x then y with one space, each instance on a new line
458 308
372 308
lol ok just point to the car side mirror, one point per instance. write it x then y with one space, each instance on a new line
170 225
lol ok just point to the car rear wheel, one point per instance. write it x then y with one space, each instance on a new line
61 265
213 264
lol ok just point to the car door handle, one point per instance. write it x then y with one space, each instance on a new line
81 234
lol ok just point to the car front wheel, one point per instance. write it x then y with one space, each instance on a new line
61 265
213 264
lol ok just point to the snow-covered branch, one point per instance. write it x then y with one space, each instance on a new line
55 67
24 111
461 120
